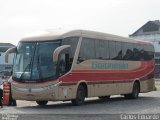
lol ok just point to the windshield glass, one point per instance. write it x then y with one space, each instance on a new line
34 61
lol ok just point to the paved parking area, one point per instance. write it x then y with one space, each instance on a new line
147 103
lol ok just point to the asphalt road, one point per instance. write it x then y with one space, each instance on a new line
147 103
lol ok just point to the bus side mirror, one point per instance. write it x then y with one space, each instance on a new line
9 51
58 50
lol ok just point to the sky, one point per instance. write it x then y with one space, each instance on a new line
120 17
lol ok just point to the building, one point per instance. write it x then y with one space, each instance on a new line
5 66
150 31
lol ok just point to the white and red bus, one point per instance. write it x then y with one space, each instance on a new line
79 64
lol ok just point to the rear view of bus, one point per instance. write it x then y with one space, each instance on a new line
52 67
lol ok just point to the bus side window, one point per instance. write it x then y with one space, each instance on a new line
118 51
87 50
148 52
73 41
127 51
112 49
101 49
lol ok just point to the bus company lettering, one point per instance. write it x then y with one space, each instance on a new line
115 66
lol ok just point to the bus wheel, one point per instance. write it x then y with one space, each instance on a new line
135 92
104 97
80 97
41 102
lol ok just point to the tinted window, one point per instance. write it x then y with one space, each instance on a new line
67 55
127 51
4 49
112 49
87 50
118 51
137 51
101 48
73 41
148 52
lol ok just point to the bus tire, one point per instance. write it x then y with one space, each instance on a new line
41 103
80 96
135 92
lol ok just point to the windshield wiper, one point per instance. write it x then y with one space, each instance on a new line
28 65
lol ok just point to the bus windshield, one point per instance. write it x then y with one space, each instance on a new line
34 61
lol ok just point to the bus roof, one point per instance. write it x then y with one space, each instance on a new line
60 34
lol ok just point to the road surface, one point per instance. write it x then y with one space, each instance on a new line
147 103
